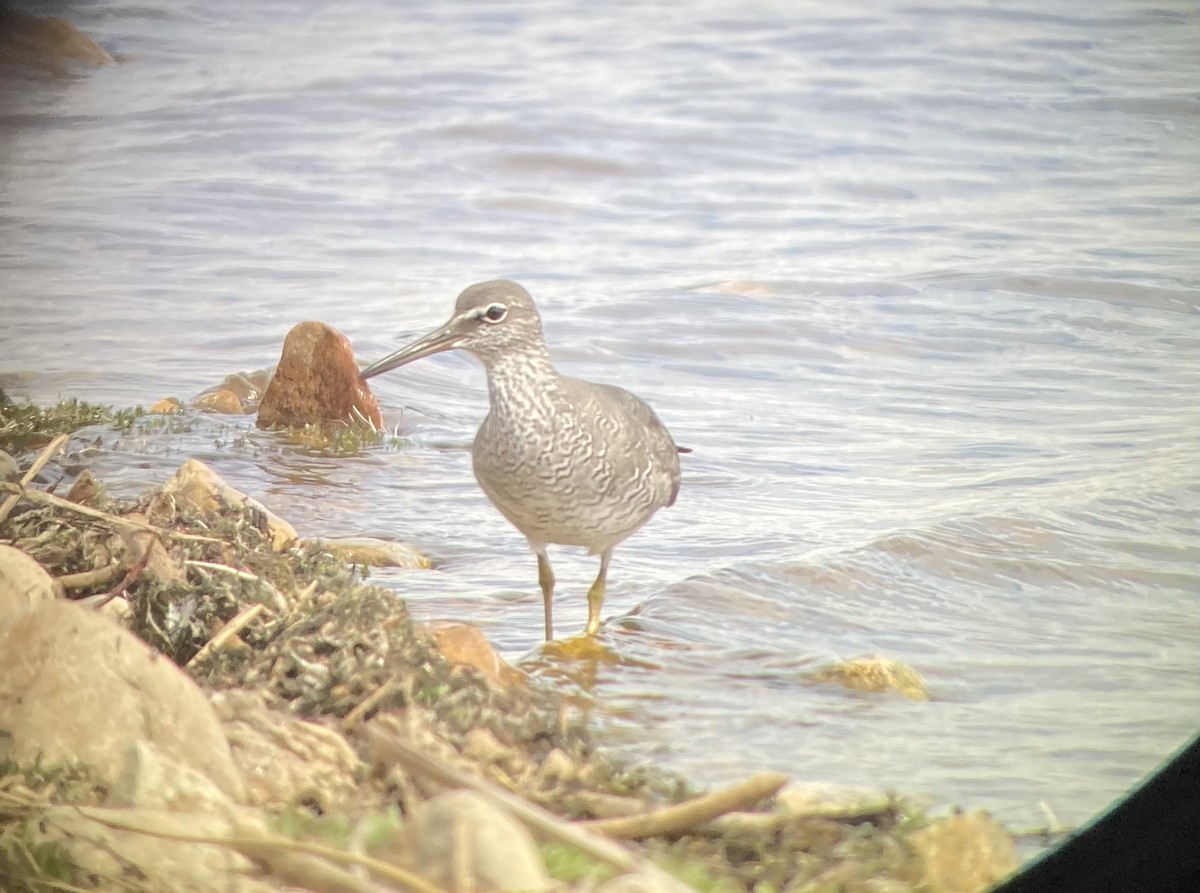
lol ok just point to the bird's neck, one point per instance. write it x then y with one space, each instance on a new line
519 376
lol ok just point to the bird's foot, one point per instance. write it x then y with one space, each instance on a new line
584 647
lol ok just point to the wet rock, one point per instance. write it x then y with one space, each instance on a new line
237 394
461 643
167 406
285 759
222 401
86 489
877 674
24 585
831 801
465 829
377 553
76 686
965 853
250 386
46 43
157 863
317 381
197 490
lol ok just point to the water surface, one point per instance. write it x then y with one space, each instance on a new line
917 282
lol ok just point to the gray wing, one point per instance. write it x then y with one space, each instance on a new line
662 445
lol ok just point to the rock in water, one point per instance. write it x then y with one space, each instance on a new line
317 381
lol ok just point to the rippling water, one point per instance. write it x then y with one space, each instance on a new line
918 282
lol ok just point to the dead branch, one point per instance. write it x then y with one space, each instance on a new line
236 624
284 854
43 498
692 813
38 464
535 817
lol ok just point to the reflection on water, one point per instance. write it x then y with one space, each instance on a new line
918 286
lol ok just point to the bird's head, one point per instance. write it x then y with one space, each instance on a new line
491 320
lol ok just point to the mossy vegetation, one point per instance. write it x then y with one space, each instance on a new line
26 426
340 439
29 863
572 866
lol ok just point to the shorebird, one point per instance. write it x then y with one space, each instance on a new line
566 461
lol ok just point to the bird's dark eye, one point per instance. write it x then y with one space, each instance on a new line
494 313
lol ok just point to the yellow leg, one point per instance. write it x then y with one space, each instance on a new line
596 594
546 581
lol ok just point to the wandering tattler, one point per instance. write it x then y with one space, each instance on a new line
566 461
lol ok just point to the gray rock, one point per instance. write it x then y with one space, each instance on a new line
76 686
24 584
832 801
149 780
198 491
498 852
107 853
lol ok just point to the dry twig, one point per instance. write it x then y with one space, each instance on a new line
50 499
38 464
87 579
534 816
134 572
692 813
277 602
236 624
355 716
282 856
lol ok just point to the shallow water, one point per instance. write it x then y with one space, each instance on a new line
916 282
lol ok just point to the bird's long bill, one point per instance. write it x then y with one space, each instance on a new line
444 338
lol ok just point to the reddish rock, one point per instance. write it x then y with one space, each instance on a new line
167 406
46 42
317 381
461 643
85 489
246 387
